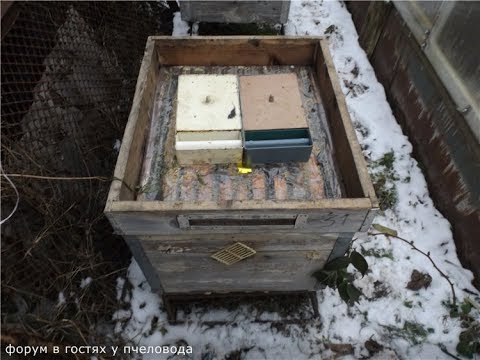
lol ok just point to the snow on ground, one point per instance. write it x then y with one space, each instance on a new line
409 324
180 27
85 282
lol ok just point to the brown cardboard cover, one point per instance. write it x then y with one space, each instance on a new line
271 102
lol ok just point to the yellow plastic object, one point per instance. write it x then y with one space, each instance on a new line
244 170
234 253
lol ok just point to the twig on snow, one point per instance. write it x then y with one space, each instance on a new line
427 254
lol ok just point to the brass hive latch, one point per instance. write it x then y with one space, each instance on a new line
233 253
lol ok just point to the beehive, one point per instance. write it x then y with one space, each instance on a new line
235 11
293 217
208 122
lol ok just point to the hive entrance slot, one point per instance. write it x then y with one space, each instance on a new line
209 221
241 222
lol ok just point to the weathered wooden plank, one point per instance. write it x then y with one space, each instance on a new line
369 219
235 50
154 128
148 270
157 223
352 164
129 162
210 243
341 245
265 271
179 206
235 12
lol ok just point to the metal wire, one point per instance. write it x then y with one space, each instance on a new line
16 193
68 75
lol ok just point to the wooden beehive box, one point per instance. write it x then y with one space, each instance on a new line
235 11
293 216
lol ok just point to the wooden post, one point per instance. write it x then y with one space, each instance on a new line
341 245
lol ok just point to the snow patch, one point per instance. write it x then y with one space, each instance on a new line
180 27
85 282
61 299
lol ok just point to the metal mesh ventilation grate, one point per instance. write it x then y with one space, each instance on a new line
234 253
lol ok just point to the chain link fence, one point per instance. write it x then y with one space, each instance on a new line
68 75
